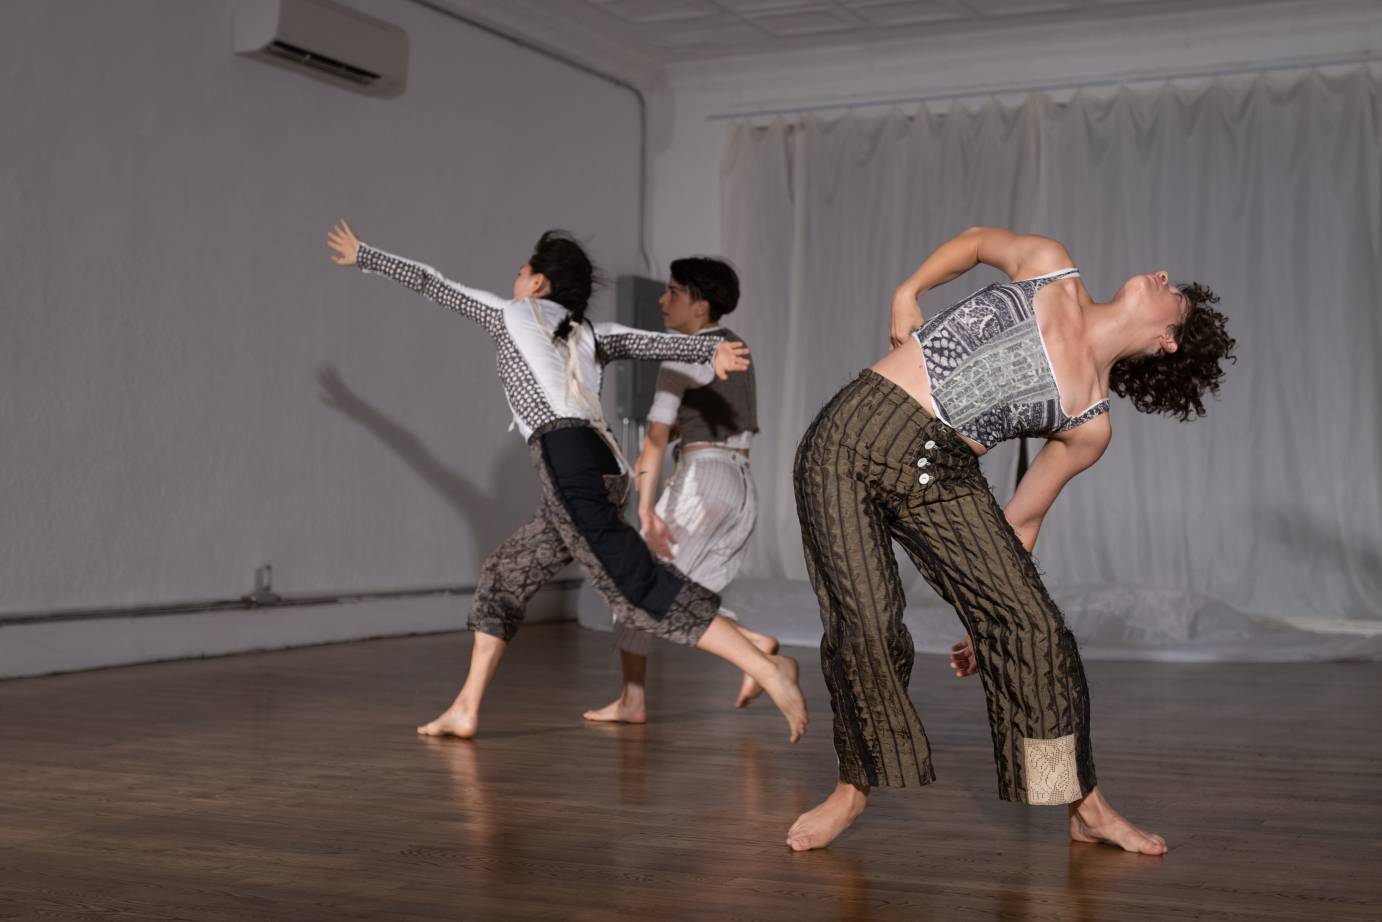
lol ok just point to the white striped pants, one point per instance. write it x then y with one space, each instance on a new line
710 506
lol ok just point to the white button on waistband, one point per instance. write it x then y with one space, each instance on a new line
929 445
922 462
924 479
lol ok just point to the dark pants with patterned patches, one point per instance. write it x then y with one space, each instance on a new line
874 468
581 519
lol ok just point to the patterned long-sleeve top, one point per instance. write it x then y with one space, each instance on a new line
543 379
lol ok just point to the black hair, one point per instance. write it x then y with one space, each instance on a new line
569 272
711 280
1175 382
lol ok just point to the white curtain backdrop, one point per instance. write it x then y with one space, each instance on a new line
1252 533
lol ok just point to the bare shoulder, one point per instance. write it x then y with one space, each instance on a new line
1040 255
1019 255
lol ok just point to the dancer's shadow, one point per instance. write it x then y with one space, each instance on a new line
474 505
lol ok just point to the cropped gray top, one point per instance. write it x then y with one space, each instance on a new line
991 376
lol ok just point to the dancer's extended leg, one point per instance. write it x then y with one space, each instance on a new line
631 706
749 688
583 492
1093 820
509 577
818 827
777 674
462 717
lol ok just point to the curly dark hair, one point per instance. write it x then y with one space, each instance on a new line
571 274
1174 382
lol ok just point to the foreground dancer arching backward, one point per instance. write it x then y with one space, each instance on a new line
894 456
550 361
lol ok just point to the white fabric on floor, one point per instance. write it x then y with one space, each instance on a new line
1192 540
1111 622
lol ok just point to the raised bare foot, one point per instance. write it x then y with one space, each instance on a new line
457 720
782 687
818 827
622 711
1093 820
750 689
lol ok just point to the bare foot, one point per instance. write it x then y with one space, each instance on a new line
819 827
782 687
750 689
457 720
622 711
1093 820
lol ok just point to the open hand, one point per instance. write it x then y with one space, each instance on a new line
657 535
730 356
343 241
962 658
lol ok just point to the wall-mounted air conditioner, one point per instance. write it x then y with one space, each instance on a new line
325 40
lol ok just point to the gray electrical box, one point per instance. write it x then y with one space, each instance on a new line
636 300
636 305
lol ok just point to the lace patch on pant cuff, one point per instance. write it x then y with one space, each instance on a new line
1050 770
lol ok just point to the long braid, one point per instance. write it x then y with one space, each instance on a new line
570 274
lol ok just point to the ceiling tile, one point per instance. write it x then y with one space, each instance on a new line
712 39
907 12
810 22
764 6
651 12
1022 7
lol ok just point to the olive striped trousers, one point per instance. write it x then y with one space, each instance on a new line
875 467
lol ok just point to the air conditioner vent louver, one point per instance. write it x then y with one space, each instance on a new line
321 62
325 40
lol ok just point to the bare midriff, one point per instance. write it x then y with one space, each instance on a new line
905 366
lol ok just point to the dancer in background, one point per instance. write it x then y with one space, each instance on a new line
894 456
703 521
551 360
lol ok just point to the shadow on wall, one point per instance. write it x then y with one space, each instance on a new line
473 505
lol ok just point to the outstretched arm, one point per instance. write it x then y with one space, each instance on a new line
1018 255
480 306
617 342
1058 461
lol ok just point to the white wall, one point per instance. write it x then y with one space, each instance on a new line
168 305
688 145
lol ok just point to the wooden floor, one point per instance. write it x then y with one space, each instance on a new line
291 786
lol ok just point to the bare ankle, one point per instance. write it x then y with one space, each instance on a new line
1092 807
855 794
